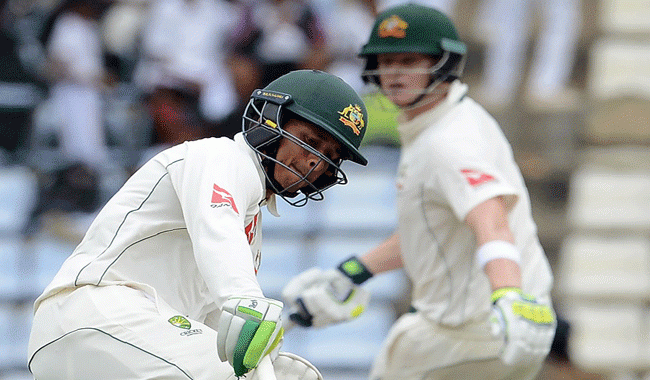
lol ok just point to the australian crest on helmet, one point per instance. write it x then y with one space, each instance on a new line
352 116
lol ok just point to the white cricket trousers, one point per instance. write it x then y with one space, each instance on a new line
416 349
117 332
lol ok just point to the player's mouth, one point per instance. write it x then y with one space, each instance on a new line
396 89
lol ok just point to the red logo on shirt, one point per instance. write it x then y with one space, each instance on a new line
250 229
221 197
475 178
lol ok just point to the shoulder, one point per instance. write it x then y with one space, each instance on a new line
202 152
465 132
223 147
469 111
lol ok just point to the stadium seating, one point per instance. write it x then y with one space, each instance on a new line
15 324
366 203
603 271
281 260
610 337
10 253
605 199
49 254
295 221
18 196
605 268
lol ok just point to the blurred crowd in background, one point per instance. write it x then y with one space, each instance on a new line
90 89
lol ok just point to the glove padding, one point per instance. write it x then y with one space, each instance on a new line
527 326
288 366
249 328
320 298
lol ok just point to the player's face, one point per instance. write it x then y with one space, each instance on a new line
300 160
404 76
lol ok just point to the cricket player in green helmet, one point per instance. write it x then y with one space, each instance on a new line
163 284
481 296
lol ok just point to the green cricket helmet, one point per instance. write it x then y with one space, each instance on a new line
414 28
319 98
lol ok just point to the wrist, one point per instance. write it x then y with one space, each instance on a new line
497 249
499 293
355 270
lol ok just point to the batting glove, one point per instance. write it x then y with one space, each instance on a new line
527 326
249 328
320 298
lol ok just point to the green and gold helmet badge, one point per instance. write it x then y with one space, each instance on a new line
352 116
180 321
393 26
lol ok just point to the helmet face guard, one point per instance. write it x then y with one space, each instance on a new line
413 28
262 127
448 68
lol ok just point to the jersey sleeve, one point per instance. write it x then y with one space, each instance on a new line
467 177
216 185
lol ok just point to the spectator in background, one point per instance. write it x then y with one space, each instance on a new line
284 35
348 24
186 41
175 115
247 73
19 92
76 68
507 23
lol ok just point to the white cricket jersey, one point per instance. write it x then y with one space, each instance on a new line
186 227
453 158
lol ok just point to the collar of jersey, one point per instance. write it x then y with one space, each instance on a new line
270 203
410 129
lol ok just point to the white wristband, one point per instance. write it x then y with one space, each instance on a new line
497 249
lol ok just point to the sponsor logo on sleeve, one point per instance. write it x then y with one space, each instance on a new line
251 229
221 197
476 178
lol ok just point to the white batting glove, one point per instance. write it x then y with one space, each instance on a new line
249 328
527 326
320 298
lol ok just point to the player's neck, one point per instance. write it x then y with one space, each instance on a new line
427 104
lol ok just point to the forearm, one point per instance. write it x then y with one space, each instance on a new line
385 257
496 251
503 273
